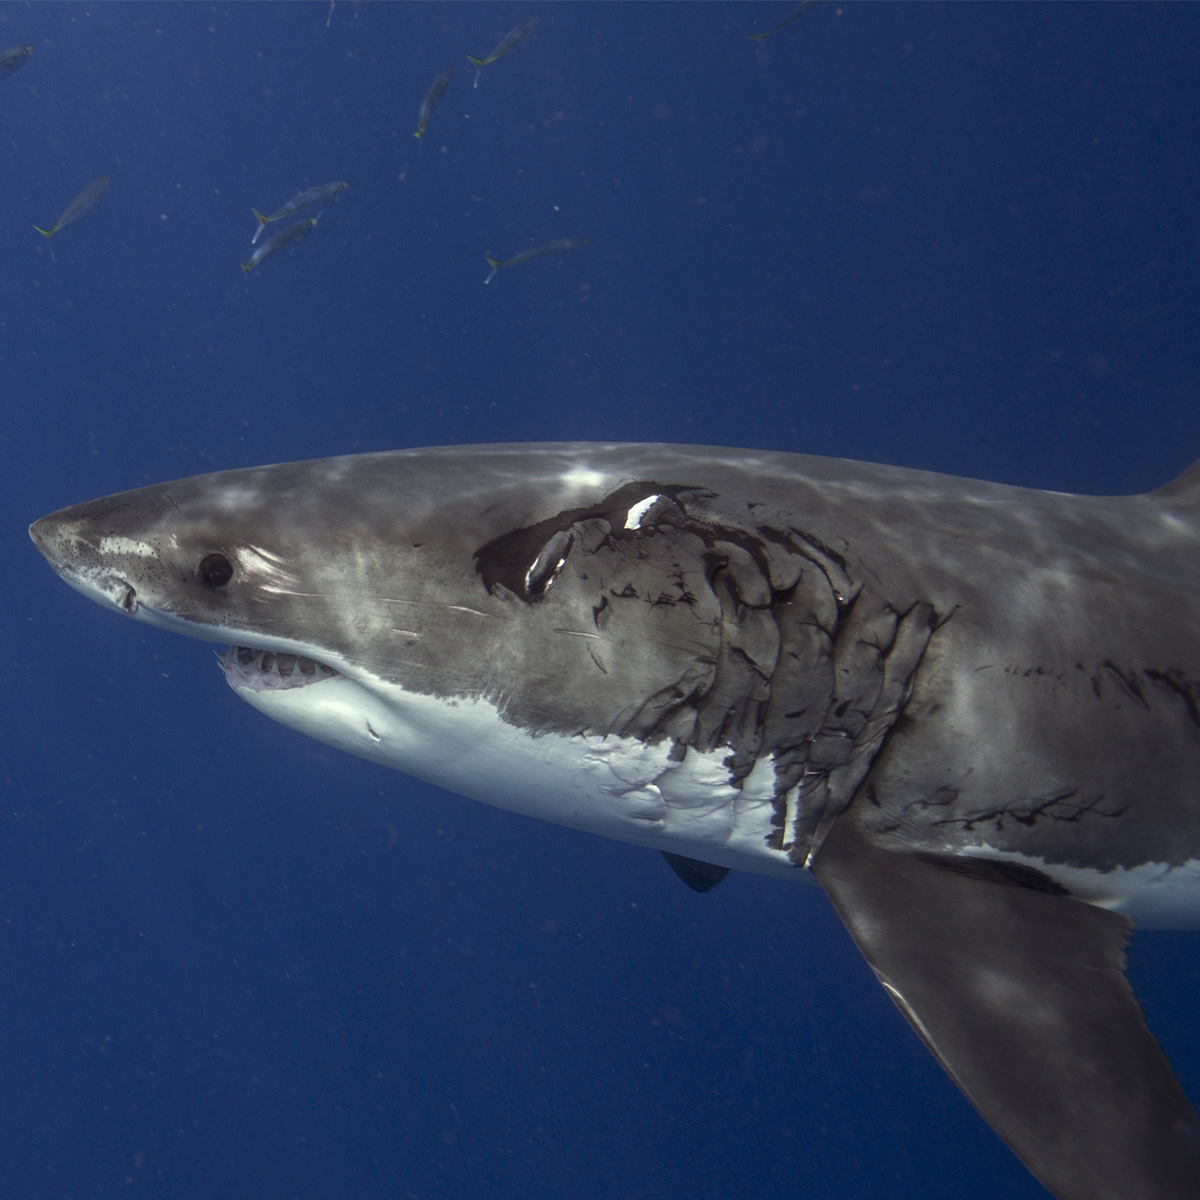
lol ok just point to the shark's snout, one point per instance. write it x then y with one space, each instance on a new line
44 533
66 542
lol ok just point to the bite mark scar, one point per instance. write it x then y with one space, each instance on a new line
1127 681
464 608
1185 691
1054 808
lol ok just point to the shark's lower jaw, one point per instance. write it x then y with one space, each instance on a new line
267 671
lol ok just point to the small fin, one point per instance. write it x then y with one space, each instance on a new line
1183 491
1021 995
699 876
495 267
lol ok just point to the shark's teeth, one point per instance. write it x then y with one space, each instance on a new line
267 671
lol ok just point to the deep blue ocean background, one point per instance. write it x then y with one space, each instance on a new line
235 963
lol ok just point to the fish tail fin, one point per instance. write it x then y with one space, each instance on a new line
48 234
245 267
757 37
477 63
491 262
262 224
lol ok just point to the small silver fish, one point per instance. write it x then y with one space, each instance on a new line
800 8
279 241
77 209
510 41
12 58
541 250
314 197
437 89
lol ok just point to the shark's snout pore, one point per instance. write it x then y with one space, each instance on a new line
62 543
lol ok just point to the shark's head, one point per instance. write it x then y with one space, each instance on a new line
371 569
525 624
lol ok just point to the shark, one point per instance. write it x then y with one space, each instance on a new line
969 712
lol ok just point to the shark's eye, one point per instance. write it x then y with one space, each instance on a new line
215 570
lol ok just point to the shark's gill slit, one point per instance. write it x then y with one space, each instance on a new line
267 671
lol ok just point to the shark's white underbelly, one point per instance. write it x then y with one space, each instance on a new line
1156 895
623 788
616 787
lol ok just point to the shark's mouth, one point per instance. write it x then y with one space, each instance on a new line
269 671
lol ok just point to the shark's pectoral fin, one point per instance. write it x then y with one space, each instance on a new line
699 876
1021 995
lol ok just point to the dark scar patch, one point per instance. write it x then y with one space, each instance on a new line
507 560
790 658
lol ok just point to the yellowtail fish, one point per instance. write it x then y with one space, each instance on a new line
510 41
800 8
77 209
437 89
279 241
12 58
541 250
314 197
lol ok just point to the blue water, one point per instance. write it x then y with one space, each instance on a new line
234 963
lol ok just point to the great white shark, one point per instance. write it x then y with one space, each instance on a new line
970 712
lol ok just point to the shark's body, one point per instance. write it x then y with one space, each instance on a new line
963 708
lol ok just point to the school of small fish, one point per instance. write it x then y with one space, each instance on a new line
314 200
